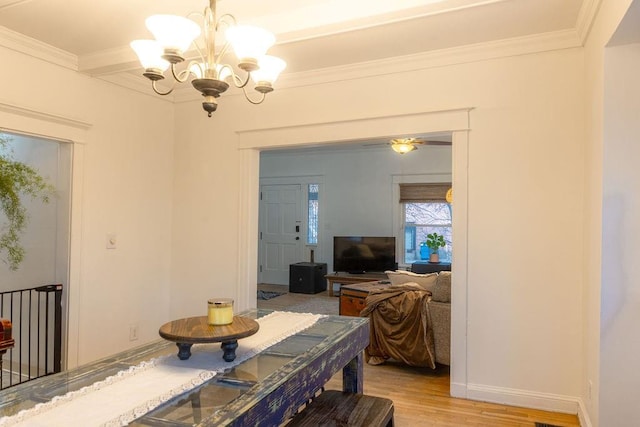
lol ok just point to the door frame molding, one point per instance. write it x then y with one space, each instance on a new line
30 121
456 121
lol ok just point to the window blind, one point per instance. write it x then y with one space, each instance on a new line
424 193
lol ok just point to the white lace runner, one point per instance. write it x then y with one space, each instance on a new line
131 393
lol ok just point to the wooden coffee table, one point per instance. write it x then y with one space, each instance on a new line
353 296
196 330
349 279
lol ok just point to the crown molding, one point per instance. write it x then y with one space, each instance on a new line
109 61
35 48
565 39
558 40
586 17
140 84
112 65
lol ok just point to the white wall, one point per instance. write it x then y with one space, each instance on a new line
122 183
357 193
610 14
526 167
620 293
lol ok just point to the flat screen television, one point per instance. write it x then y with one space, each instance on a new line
359 254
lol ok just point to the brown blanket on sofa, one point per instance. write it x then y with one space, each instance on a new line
399 326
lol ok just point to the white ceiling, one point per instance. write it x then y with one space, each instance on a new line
311 34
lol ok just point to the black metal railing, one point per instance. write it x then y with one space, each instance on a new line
36 317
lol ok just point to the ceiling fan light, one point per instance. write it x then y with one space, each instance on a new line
249 43
173 32
402 146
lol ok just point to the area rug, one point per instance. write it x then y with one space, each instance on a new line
329 305
265 295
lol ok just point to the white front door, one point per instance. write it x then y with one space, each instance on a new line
280 232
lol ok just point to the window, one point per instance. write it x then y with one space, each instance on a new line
425 211
421 219
312 214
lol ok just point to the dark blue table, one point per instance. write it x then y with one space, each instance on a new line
266 389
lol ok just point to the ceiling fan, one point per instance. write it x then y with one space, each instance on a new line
405 145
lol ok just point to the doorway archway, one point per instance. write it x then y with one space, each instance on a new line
26 121
455 121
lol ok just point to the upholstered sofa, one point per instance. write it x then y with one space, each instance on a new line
439 306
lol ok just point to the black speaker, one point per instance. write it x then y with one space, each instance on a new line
307 277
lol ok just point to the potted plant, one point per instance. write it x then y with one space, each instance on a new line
434 242
17 179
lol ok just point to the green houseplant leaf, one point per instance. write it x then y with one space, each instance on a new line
17 179
435 241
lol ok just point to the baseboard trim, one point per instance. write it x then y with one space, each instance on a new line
458 390
524 398
583 415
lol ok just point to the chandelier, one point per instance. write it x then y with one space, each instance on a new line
404 145
209 74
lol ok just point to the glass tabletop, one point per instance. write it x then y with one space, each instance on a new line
301 362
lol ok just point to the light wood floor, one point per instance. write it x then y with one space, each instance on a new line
421 395
287 299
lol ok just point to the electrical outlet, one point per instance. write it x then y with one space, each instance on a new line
133 332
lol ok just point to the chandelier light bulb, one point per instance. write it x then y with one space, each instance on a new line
270 69
174 33
150 54
249 43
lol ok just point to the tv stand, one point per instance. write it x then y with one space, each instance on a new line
350 278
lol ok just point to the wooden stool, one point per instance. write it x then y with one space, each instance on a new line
335 408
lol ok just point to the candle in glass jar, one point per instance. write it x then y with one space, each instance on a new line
220 311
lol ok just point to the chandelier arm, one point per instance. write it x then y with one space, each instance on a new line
228 67
237 81
199 50
155 89
198 14
180 77
246 95
222 52
187 70
226 19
